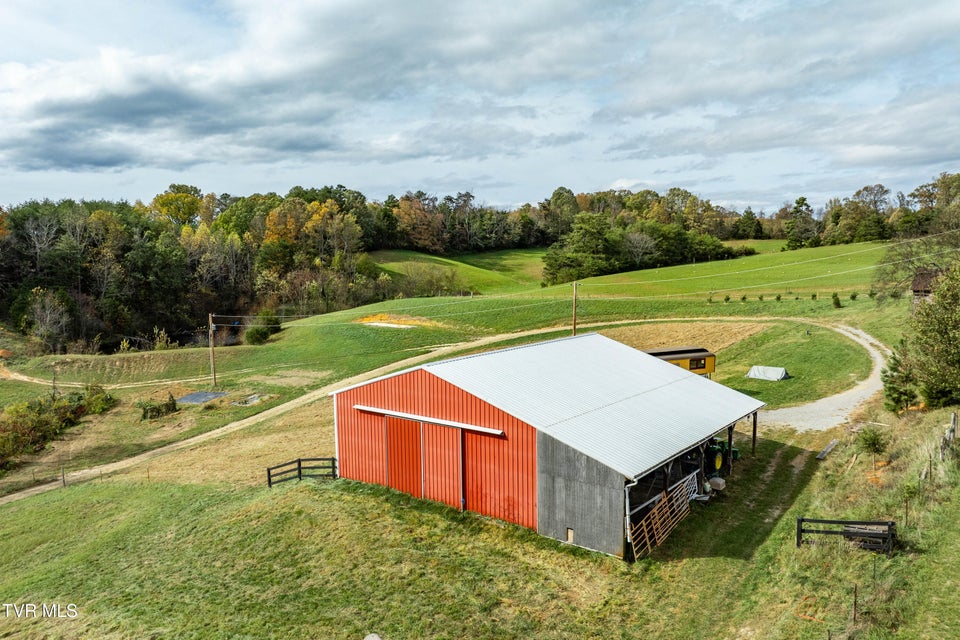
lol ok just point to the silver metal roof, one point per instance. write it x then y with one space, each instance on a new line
626 409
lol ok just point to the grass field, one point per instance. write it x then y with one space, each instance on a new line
337 345
194 546
760 246
340 560
488 273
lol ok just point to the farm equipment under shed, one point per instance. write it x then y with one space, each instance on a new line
658 502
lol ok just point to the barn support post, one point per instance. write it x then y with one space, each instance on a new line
730 449
627 513
753 449
703 457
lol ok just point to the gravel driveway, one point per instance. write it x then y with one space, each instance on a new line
834 410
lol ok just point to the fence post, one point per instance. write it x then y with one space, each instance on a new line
299 469
855 594
269 479
799 531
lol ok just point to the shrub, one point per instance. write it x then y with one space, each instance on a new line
161 341
743 298
777 298
853 296
98 400
760 297
726 298
836 300
873 441
151 409
256 334
26 427
268 318
813 296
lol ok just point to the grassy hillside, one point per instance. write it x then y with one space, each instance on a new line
487 273
316 351
194 546
760 246
340 559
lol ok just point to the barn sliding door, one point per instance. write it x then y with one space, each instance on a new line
424 460
441 464
404 471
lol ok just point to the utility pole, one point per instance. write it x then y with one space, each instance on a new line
574 307
213 364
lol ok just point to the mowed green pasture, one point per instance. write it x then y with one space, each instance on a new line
486 273
822 270
337 343
760 246
819 361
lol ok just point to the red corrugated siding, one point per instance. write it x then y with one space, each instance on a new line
403 456
441 464
499 472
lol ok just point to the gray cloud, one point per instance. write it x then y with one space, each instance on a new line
732 96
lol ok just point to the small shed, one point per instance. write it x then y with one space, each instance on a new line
924 281
697 359
578 438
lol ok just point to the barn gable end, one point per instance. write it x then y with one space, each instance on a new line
579 500
419 454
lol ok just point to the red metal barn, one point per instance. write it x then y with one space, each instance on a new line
579 438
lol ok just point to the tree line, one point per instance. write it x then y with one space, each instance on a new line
94 275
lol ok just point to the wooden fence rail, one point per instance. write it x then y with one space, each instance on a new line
878 535
302 468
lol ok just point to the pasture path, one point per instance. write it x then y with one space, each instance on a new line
835 410
822 414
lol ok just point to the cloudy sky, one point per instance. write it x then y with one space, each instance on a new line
744 103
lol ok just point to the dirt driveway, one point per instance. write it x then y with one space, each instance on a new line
835 410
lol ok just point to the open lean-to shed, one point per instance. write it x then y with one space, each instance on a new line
583 439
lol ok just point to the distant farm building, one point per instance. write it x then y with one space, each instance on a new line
696 359
583 439
923 284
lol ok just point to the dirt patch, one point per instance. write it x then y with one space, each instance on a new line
171 431
397 322
714 336
799 463
292 378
